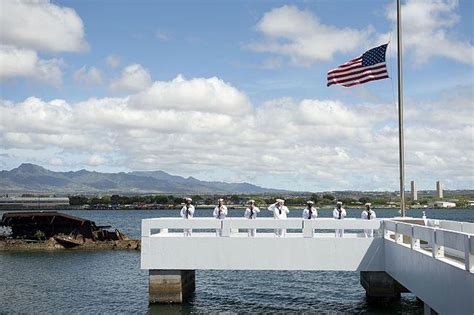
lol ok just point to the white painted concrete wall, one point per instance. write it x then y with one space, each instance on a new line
262 253
446 289
444 282
297 251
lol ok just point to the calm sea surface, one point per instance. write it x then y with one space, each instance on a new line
112 282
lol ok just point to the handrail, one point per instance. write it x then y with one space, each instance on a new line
438 238
163 224
307 227
466 227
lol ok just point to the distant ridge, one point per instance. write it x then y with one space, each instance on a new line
34 178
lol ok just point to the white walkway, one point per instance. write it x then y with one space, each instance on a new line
435 262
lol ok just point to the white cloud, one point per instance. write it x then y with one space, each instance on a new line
132 79
25 63
300 36
427 31
310 144
29 27
112 61
56 161
199 94
42 26
89 76
96 160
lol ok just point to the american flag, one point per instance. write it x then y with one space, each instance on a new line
369 66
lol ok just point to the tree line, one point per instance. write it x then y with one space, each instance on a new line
318 199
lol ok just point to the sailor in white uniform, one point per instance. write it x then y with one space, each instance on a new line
339 213
187 212
251 213
368 214
310 212
279 212
220 211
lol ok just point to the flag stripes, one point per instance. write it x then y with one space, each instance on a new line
369 66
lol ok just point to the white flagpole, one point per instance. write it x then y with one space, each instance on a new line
400 110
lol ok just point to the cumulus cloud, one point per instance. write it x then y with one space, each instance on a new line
41 26
199 94
15 62
427 30
311 144
299 35
29 27
89 76
132 79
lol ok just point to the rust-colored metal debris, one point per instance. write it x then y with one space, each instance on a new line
46 224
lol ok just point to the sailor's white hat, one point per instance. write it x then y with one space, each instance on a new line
368 204
220 200
310 202
339 203
188 199
280 200
251 201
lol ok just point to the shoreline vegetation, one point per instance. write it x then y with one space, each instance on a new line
380 200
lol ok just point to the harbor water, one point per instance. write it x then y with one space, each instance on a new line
112 282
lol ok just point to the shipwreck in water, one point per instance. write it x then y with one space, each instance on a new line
66 229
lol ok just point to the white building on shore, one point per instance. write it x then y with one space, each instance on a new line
444 204
30 202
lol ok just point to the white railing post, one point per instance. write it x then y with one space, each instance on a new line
145 228
225 226
415 242
386 232
438 249
469 252
398 236
308 229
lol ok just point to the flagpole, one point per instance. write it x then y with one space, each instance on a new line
400 110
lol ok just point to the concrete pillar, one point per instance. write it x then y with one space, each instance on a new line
380 286
414 192
439 190
170 286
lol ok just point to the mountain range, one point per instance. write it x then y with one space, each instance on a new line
34 178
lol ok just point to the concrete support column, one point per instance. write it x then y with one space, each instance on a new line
170 286
380 286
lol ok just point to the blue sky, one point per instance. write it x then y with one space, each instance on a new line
265 61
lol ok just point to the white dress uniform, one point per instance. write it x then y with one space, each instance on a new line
279 213
220 213
251 213
310 215
368 216
187 212
339 215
